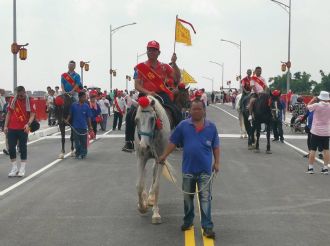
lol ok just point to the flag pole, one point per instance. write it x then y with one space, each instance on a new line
176 20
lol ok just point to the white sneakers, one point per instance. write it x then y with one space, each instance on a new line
17 173
14 171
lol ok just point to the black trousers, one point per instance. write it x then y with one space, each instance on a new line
130 124
117 119
21 137
278 129
94 126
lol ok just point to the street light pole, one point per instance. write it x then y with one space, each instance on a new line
239 45
14 41
112 31
210 79
222 69
287 8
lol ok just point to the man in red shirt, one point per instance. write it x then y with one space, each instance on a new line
21 113
151 78
246 86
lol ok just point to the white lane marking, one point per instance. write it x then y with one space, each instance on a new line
31 176
225 111
286 136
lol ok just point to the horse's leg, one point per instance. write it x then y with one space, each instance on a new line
156 218
71 140
62 130
268 151
258 128
151 196
243 126
142 195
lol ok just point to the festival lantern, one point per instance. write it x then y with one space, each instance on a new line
283 67
86 67
114 73
288 64
22 53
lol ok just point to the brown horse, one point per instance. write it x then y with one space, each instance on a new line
61 113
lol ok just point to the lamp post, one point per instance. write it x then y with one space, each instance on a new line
287 8
222 69
16 48
82 66
112 31
210 79
138 56
238 45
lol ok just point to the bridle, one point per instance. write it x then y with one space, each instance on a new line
150 134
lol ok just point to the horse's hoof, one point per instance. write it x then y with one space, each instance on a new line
143 209
156 220
61 156
241 137
250 147
268 152
245 136
257 151
72 154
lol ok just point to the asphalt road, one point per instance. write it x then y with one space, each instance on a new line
258 199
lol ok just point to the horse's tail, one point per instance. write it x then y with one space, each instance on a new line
169 172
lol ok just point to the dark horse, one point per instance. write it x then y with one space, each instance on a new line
61 113
181 100
263 108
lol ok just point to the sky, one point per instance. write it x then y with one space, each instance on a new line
61 30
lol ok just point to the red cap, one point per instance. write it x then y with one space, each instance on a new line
276 93
181 86
198 93
153 44
93 93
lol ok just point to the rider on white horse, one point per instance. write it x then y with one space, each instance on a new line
150 79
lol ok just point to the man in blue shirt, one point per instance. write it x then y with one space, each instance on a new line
200 140
70 81
81 114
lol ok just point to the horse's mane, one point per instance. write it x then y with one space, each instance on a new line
262 102
160 112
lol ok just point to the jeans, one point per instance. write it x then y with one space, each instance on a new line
80 141
21 137
189 185
104 122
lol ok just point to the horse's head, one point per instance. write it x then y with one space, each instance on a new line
62 106
146 121
181 98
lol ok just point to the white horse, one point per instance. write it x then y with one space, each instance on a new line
240 116
151 140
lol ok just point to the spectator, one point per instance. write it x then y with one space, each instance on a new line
204 97
51 108
128 100
119 108
2 108
278 121
57 91
298 109
105 111
212 96
320 130
81 120
96 111
21 113
200 140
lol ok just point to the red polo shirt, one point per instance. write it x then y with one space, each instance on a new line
165 71
246 83
19 117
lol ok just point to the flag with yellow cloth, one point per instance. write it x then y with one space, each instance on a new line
187 78
182 34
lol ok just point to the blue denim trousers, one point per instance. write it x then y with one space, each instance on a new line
80 141
189 182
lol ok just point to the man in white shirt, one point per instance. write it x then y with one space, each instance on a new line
119 109
204 97
105 111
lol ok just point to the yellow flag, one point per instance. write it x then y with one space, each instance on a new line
187 78
182 34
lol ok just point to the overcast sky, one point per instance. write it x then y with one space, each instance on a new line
62 30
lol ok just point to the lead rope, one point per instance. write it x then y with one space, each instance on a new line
210 181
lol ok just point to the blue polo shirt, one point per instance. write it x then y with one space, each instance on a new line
80 114
67 86
197 146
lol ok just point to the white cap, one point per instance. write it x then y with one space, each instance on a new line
324 96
